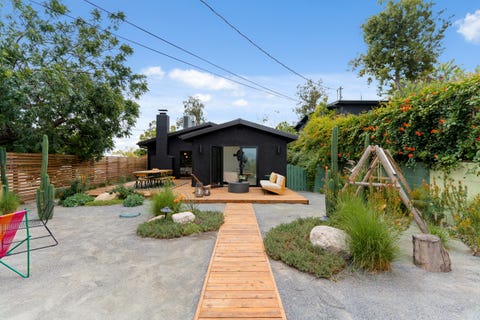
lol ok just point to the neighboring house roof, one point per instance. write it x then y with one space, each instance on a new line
301 124
288 136
145 143
353 103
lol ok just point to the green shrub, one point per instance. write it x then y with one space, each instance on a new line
9 202
78 199
291 244
372 241
163 199
123 192
167 229
99 203
440 232
467 225
133 200
79 185
209 220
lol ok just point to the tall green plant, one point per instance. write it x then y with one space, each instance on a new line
3 165
45 193
333 181
373 243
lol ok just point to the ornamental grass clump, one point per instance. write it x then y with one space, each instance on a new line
372 240
165 198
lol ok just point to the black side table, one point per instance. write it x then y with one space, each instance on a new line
238 187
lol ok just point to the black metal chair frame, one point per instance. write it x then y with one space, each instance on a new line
35 223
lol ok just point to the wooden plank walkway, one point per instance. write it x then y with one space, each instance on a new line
239 282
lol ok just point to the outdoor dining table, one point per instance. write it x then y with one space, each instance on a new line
151 178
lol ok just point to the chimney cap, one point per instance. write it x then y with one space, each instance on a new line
162 110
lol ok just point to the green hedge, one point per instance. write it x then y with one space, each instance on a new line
437 124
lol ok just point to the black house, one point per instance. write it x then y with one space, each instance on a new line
353 106
344 107
218 153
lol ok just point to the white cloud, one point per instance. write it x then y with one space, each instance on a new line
469 27
240 103
155 72
201 80
203 97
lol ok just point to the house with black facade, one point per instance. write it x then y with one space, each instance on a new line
219 153
344 107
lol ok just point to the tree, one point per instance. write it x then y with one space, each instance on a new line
286 127
310 94
65 78
403 42
151 132
192 107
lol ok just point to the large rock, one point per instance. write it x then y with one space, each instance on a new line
106 196
330 239
183 217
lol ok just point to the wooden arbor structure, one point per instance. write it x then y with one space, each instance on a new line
380 170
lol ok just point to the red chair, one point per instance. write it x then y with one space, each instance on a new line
9 225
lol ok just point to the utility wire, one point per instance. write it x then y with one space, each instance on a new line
251 41
191 53
170 56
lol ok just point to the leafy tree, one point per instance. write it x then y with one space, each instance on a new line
66 78
286 127
151 132
131 152
404 42
310 95
192 107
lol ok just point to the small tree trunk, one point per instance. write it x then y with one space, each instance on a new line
429 254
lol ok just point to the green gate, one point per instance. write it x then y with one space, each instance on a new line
296 178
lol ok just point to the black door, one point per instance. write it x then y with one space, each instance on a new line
217 165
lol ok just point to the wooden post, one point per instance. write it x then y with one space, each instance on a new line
429 254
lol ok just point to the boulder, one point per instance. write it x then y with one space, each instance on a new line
106 196
183 217
330 239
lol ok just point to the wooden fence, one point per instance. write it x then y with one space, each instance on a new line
23 171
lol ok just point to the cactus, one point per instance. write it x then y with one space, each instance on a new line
367 141
45 193
3 165
332 175
334 156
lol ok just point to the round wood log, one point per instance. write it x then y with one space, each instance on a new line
429 254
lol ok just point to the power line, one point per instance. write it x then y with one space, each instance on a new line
190 53
172 57
251 41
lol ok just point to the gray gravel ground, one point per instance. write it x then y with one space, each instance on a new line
102 270
407 292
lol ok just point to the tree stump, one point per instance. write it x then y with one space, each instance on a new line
429 254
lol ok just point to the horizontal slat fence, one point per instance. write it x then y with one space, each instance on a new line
23 171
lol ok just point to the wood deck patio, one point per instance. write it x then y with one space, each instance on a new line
219 195
239 282
255 195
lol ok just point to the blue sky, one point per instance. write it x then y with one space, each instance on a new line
315 38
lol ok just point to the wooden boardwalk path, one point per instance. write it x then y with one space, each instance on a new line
239 282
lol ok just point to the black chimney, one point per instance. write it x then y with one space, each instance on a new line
162 161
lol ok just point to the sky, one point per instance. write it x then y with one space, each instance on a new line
315 39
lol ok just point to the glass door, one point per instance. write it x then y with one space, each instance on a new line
240 164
